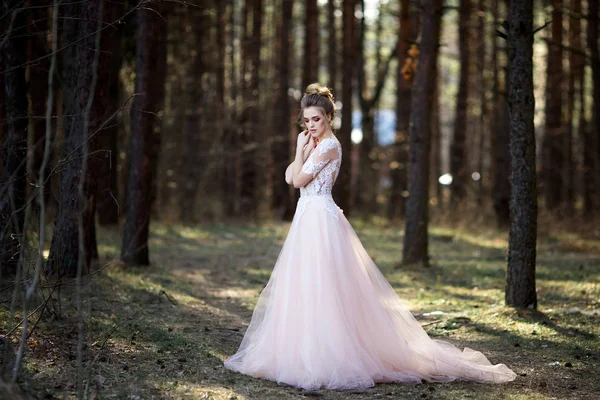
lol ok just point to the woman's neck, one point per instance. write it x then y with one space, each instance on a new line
325 135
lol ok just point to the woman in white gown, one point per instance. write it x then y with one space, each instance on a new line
328 318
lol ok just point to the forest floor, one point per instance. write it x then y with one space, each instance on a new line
163 331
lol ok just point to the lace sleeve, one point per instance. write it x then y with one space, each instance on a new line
325 152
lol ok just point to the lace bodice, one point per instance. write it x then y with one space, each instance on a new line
324 165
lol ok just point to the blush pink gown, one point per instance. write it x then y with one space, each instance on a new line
328 318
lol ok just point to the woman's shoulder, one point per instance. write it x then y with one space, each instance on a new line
328 144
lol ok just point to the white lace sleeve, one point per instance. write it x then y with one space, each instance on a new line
310 168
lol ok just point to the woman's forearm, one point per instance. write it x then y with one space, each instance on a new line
288 174
297 164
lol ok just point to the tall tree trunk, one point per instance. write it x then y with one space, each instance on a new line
14 145
108 188
576 65
594 131
553 161
483 86
281 148
332 44
343 185
251 131
229 182
310 73
417 207
500 128
79 32
520 275
458 161
38 90
195 129
145 131
404 79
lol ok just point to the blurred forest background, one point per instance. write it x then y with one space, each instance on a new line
184 113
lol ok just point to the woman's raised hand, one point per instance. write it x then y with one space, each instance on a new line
303 138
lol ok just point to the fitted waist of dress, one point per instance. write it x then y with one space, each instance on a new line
315 195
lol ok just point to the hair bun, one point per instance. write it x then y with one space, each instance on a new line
317 88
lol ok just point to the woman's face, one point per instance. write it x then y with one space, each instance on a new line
316 122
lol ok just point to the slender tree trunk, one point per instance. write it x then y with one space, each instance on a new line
145 132
332 44
38 90
108 187
80 27
14 145
417 207
343 185
458 161
520 275
281 148
483 86
404 79
250 121
500 129
195 129
229 183
554 139
310 72
574 83
594 130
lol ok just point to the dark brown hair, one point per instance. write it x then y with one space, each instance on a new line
317 95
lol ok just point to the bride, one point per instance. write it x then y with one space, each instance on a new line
328 318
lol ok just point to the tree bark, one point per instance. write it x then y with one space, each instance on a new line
145 132
195 135
14 145
500 128
250 118
458 161
404 79
332 44
310 72
281 148
594 130
417 206
79 33
107 205
520 275
576 65
38 90
553 161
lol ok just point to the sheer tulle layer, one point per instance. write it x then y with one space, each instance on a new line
328 318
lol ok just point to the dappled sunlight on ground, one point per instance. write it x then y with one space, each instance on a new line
164 330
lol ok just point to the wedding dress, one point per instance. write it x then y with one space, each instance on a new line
328 318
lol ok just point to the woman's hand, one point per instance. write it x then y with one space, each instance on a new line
303 138
308 148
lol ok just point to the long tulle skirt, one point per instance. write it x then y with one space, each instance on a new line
328 318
